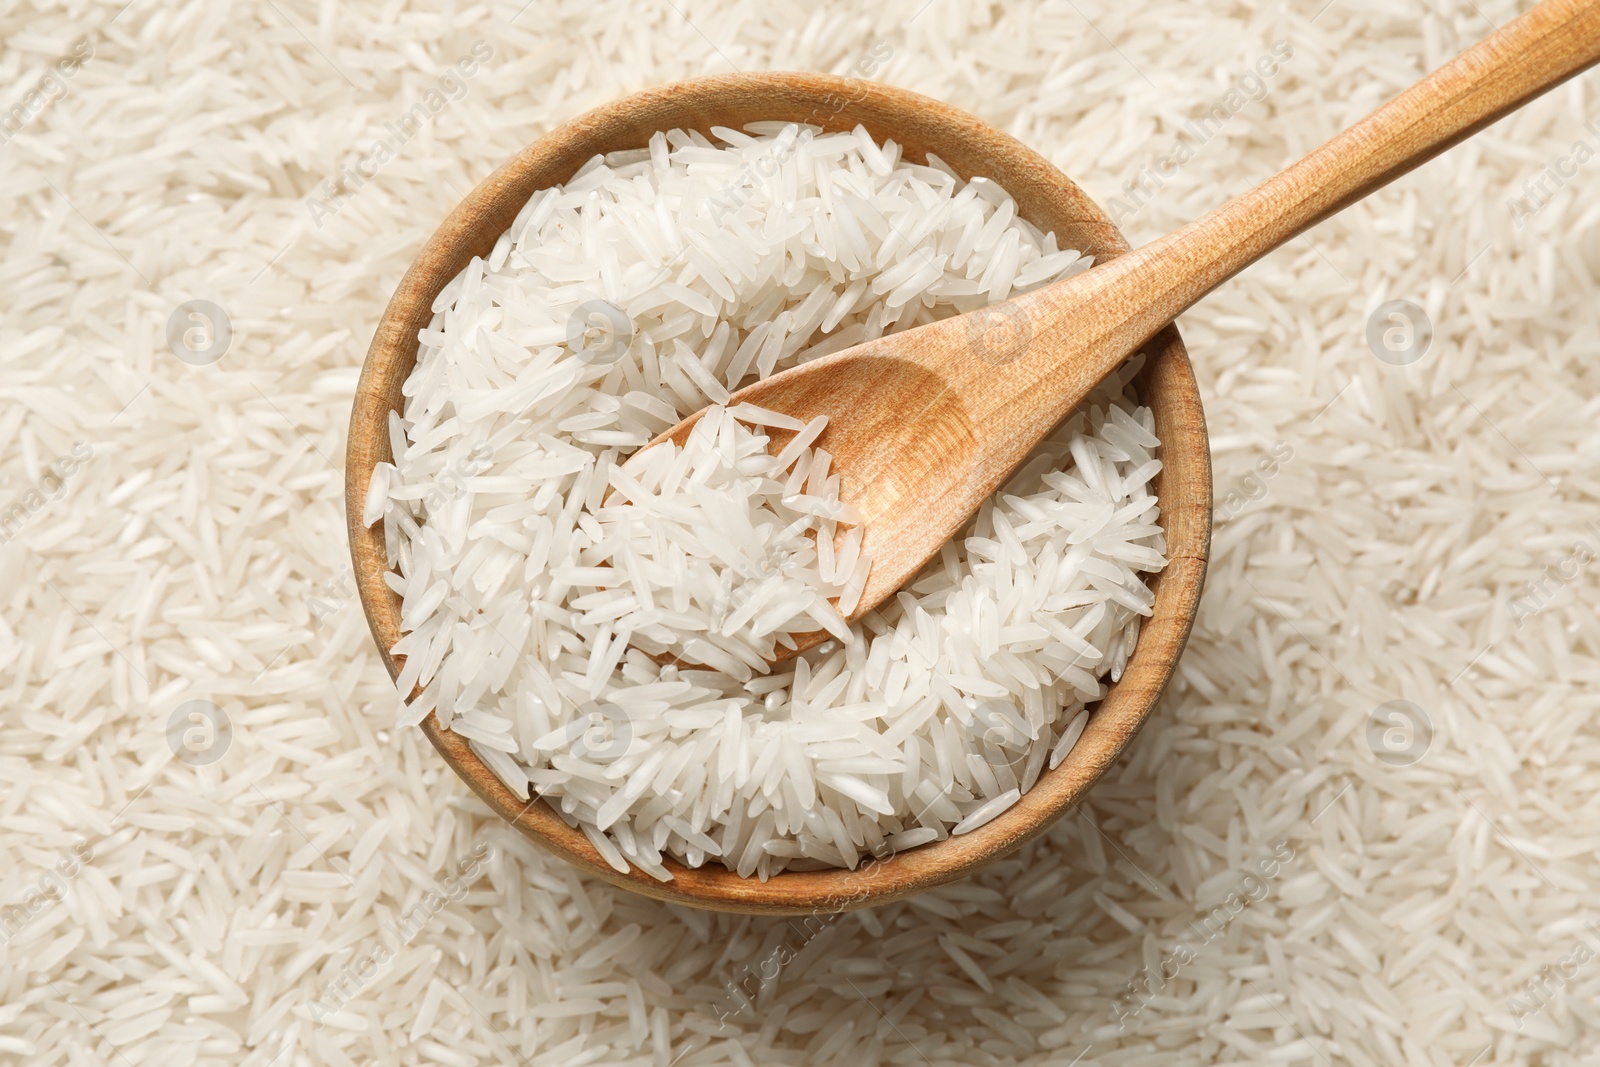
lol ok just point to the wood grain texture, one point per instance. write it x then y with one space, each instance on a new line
1047 199
926 424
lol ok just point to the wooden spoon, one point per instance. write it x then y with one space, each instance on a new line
926 424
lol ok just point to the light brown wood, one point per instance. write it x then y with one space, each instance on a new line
1047 199
925 425
970 402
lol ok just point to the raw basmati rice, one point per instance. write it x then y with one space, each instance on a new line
598 619
1379 562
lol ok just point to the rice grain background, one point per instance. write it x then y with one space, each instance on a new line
1361 828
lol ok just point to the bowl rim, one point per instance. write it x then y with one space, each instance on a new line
963 142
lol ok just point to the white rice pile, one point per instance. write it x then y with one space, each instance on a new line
542 590
175 533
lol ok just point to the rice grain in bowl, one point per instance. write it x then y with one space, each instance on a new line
1043 197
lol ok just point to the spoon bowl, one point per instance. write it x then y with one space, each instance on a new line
1046 198
897 428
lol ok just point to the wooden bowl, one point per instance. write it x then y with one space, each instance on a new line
1045 197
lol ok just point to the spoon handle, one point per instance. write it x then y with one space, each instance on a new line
1143 290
